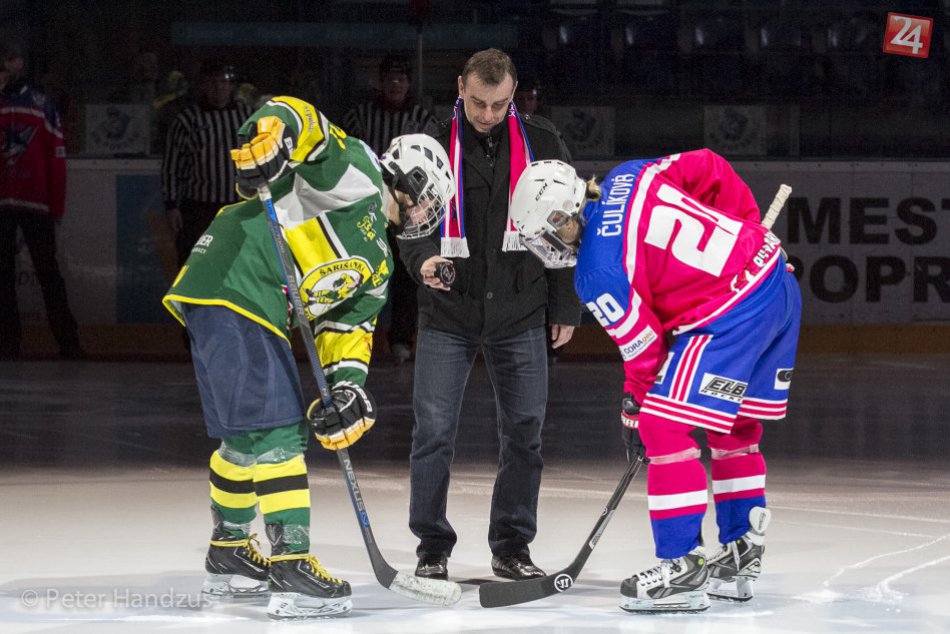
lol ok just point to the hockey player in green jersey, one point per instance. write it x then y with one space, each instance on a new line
333 207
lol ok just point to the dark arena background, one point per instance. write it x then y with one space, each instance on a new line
103 455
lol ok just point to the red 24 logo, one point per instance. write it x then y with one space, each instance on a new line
907 35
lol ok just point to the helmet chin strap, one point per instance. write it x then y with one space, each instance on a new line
401 207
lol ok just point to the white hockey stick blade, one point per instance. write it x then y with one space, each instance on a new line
434 591
776 207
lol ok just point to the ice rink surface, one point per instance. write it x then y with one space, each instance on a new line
104 499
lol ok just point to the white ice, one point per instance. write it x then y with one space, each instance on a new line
856 544
838 561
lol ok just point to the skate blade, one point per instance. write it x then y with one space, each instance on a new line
234 587
290 606
736 590
686 603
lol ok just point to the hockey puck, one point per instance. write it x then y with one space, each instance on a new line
445 271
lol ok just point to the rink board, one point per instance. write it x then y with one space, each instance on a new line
870 240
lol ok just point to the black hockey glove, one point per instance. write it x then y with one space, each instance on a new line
352 414
263 155
629 414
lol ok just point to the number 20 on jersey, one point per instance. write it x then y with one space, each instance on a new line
907 35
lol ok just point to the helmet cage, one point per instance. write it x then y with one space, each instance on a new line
553 252
428 206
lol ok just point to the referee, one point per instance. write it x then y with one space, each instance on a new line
377 122
197 172
392 113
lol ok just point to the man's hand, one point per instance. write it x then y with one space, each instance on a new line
173 216
429 276
561 334
350 416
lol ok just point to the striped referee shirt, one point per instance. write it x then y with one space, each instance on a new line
377 126
197 162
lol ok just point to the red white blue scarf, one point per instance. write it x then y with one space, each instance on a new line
454 244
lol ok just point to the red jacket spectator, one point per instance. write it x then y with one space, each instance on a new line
33 177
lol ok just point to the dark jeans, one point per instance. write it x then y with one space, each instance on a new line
404 308
518 370
39 233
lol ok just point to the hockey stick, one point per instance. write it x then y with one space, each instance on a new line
433 591
498 594
776 207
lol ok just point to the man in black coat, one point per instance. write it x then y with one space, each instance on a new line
500 301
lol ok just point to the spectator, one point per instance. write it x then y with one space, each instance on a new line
32 198
376 122
146 86
172 97
528 97
499 303
143 86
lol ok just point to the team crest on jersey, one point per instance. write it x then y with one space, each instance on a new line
365 225
381 274
333 282
722 388
15 141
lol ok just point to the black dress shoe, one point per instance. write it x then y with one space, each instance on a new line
432 566
518 566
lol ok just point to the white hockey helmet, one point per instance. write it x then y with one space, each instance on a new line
548 194
416 165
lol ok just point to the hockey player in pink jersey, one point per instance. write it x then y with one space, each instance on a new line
672 260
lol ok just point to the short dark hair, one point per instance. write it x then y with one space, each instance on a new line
215 67
393 63
530 83
491 66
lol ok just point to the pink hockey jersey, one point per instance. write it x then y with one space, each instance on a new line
672 244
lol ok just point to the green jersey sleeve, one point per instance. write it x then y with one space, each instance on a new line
311 130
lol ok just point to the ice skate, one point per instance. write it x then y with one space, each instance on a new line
235 567
675 585
302 589
733 570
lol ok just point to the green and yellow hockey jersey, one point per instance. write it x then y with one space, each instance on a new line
330 206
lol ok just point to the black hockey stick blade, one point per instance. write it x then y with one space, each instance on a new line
498 594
